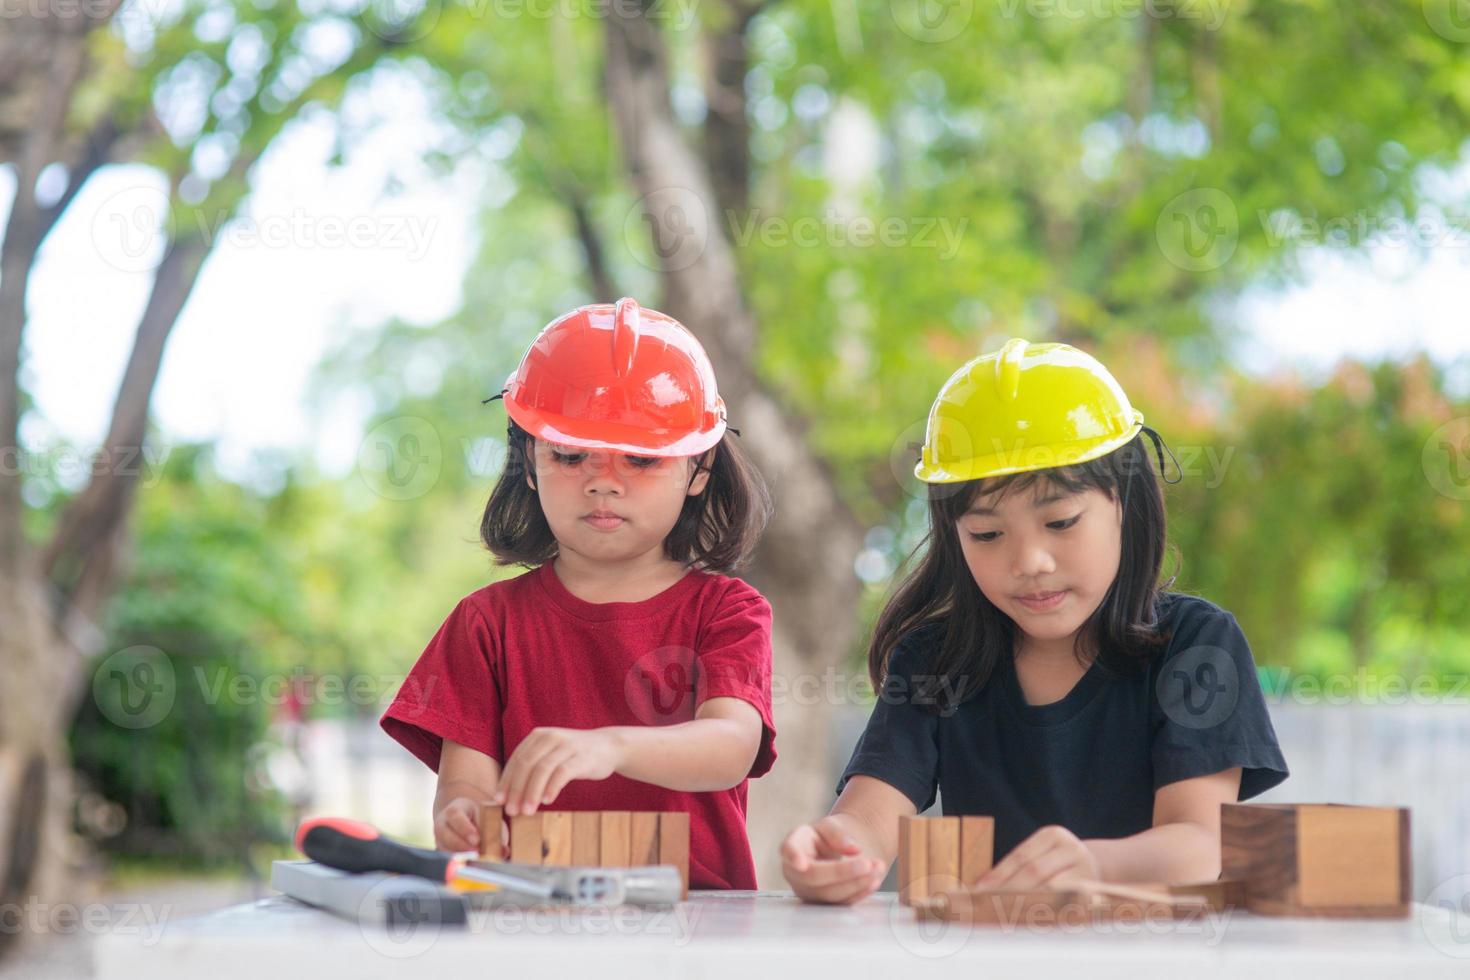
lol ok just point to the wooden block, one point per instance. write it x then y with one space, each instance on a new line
977 848
643 840
1323 860
587 838
913 859
944 853
673 843
556 837
491 818
616 838
525 838
1097 902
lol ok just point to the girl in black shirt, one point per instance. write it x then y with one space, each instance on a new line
1032 669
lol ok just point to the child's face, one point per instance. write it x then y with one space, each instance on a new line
1043 556
608 506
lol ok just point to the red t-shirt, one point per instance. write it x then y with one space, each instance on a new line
525 653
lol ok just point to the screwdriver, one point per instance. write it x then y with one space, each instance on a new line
352 845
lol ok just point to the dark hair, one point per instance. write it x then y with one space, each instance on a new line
716 531
974 636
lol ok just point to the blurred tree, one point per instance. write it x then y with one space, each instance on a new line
198 93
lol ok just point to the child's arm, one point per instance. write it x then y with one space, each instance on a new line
713 752
844 856
1183 845
467 778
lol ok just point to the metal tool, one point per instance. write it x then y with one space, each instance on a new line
351 845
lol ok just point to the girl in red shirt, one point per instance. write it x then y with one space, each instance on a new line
625 671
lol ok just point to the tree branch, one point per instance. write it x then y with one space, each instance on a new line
812 527
23 233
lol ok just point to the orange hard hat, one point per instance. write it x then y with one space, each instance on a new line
619 378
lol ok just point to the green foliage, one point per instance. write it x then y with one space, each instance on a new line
211 588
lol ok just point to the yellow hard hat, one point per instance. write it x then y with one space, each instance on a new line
1024 407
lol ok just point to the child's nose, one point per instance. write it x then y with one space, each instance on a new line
602 475
1033 560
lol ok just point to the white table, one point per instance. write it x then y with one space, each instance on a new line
770 935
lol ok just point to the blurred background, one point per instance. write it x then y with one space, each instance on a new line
264 259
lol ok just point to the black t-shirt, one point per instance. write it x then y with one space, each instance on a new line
1092 760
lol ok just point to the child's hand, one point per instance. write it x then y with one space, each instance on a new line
548 759
456 827
822 863
1052 855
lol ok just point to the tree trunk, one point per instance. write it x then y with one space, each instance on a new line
805 563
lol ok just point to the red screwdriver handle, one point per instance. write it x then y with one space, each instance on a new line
351 845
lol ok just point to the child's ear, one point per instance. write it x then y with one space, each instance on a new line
700 480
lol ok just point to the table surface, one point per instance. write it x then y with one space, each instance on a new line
769 935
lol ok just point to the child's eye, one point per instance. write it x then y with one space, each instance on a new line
643 462
984 535
569 458
1064 524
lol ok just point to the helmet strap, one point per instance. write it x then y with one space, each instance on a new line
1160 448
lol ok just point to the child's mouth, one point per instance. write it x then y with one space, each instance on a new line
604 522
1042 601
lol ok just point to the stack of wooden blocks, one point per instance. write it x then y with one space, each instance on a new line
942 854
591 838
1283 859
